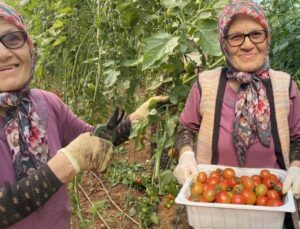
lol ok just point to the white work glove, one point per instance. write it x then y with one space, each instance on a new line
292 180
88 152
142 112
187 166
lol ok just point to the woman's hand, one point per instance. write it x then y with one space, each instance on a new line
187 166
142 112
88 152
292 179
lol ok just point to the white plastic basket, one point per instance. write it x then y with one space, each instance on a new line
234 216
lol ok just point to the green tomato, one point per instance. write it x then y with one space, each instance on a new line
189 67
170 28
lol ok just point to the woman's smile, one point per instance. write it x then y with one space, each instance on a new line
9 67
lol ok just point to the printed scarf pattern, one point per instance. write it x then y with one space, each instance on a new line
24 132
252 111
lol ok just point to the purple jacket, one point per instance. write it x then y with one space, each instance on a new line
62 127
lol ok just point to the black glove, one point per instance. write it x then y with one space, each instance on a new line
116 130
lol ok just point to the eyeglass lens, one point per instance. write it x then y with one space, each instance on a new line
14 40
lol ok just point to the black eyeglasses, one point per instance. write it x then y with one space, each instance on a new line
238 39
14 40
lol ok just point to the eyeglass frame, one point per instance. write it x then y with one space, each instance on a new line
24 34
247 35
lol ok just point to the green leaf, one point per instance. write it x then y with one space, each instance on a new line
109 63
154 218
170 127
132 211
57 24
158 48
173 3
111 77
208 41
133 63
59 41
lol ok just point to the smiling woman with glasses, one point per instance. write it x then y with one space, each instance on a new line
245 114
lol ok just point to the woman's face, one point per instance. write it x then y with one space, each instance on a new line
248 57
15 64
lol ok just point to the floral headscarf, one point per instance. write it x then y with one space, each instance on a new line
25 134
252 112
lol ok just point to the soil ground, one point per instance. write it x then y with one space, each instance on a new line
173 218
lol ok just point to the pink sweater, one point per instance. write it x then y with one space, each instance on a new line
257 155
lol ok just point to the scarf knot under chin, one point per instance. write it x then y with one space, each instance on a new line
24 132
252 111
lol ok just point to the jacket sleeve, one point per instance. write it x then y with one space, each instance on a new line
294 122
190 119
19 199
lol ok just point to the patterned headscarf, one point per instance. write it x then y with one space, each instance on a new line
25 134
252 112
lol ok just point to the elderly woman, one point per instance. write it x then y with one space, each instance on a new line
245 114
43 144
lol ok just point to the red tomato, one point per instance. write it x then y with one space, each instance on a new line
274 177
272 194
196 188
228 173
249 196
209 195
261 200
233 181
202 199
238 199
223 197
274 203
248 183
255 177
269 182
264 173
223 186
215 174
202 177
261 190
212 181
256 180
278 187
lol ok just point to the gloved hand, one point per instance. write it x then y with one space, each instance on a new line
142 112
88 152
292 180
187 166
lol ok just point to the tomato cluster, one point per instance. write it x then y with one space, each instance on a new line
224 186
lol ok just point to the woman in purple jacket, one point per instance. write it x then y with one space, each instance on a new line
245 114
43 144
